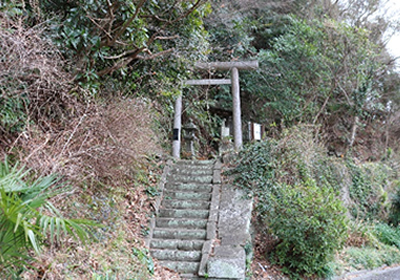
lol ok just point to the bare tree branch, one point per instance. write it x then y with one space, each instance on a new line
156 54
122 54
121 63
167 37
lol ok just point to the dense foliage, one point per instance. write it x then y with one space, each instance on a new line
305 198
318 65
296 204
310 224
394 217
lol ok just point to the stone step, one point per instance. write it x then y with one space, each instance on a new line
183 267
183 213
195 162
193 187
181 223
176 255
185 204
174 244
186 234
181 226
191 171
190 179
191 276
187 195
190 168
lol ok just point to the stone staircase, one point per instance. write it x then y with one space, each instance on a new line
185 225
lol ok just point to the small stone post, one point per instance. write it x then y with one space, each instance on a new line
189 137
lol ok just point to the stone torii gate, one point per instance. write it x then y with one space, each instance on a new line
234 67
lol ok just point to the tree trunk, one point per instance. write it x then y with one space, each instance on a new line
354 131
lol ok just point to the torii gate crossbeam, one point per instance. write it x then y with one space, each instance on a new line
234 67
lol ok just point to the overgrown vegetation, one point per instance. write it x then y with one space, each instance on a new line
294 202
87 91
105 147
33 82
308 202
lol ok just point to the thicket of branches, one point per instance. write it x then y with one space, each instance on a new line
34 86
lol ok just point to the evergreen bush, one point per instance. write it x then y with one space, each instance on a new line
295 203
394 216
310 223
388 235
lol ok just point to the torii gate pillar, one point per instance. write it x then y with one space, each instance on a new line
234 67
237 112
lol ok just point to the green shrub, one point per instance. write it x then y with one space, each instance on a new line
310 224
12 110
367 189
298 188
388 235
297 201
394 216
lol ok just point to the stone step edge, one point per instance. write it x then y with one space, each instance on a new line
175 263
188 276
193 181
157 204
192 211
181 188
212 219
191 184
191 244
182 220
181 230
191 171
177 255
180 195
196 162
198 204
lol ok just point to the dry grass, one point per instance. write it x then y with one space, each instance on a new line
261 267
107 144
108 153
